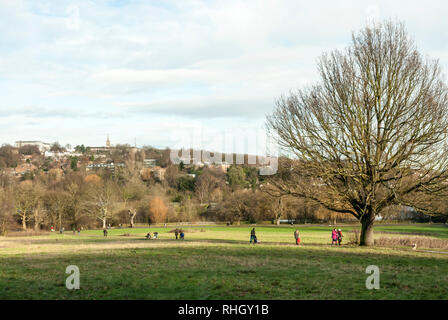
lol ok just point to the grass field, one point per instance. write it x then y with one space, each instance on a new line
218 263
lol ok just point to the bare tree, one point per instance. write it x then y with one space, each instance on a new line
56 203
371 132
25 200
101 200
6 210
207 182
131 193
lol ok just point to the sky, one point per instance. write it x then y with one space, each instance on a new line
169 73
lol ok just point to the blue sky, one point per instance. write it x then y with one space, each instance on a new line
75 71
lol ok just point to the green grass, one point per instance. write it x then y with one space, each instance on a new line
218 263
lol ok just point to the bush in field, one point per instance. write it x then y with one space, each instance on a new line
157 210
353 236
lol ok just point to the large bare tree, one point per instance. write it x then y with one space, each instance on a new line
371 132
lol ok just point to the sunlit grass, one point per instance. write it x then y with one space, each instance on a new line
218 263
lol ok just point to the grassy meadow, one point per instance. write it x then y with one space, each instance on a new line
217 262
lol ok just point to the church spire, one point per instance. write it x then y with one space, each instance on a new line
108 141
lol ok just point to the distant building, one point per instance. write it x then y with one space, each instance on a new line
104 165
149 163
61 155
159 173
43 146
100 149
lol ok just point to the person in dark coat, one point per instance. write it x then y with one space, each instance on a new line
252 235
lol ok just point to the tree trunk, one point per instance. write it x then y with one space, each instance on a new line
24 223
366 237
36 219
104 223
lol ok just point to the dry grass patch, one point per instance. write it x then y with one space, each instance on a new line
420 242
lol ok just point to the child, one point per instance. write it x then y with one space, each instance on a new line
182 235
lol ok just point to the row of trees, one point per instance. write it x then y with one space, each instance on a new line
78 198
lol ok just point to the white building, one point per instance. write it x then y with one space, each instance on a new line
43 146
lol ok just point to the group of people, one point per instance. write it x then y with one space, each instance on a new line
179 234
336 236
155 235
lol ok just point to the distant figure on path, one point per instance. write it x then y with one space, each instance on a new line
340 236
182 235
156 235
148 236
252 236
334 237
176 233
297 236
52 229
79 230
105 232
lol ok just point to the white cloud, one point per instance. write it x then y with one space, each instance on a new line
100 66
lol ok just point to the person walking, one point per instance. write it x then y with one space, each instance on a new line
182 235
176 233
105 232
297 236
334 237
339 236
252 235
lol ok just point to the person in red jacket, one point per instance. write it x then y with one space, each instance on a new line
297 236
339 236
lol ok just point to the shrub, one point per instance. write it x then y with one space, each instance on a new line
353 236
421 242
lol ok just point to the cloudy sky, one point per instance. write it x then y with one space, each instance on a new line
75 71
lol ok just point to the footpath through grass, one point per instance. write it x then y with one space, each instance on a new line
218 263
